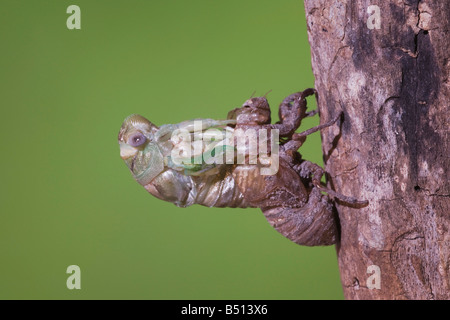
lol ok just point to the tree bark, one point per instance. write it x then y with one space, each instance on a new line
392 147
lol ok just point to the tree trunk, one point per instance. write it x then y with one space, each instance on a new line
390 77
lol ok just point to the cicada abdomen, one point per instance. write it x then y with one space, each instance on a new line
304 216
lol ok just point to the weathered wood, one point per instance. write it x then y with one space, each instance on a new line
393 146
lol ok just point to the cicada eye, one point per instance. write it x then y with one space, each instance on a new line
137 139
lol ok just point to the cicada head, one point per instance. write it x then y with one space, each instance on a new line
255 111
139 149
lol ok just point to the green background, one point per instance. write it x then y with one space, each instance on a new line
67 197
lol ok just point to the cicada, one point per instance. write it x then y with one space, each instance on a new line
242 161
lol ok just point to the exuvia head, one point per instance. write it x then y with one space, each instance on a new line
254 111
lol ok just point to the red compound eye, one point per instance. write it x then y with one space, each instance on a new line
137 139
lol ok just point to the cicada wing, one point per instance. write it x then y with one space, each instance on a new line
167 131
198 147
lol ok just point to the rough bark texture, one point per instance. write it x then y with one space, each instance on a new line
392 148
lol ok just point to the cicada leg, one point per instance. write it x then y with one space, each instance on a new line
308 169
292 111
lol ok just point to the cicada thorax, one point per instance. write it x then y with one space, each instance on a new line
302 215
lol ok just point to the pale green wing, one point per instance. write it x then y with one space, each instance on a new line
197 147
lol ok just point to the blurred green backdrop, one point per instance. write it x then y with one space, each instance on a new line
67 197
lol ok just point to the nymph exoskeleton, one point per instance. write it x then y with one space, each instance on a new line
190 163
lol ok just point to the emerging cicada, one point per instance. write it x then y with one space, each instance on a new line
244 161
